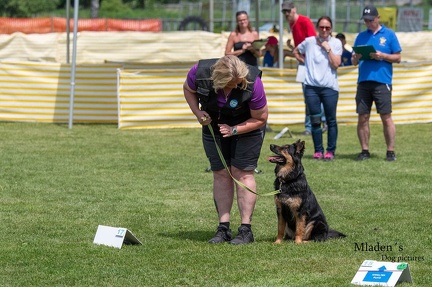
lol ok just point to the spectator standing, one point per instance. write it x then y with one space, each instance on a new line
229 96
321 56
346 54
240 41
301 27
375 80
271 52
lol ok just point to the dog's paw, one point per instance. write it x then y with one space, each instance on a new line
278 241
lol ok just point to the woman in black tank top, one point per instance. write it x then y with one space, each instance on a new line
239 41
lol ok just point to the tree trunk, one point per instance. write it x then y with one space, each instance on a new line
94 8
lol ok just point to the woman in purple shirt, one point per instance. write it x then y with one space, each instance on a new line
229 96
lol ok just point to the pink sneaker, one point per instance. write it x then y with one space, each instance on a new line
318 155
329 156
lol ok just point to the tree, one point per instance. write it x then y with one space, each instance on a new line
27 8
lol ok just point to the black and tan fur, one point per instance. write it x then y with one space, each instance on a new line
299 215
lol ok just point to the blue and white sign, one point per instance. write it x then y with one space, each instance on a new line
378 273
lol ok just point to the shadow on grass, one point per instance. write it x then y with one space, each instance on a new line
350 156
204 236
193 235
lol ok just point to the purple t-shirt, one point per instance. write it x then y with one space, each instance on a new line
257 101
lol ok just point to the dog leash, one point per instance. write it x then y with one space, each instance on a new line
229 172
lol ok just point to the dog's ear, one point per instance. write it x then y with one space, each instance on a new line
300 147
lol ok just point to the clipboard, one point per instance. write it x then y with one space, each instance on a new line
258 44
364 50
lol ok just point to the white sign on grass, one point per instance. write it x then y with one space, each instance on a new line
377 273
114 236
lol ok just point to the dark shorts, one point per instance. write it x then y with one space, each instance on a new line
369 92
241 151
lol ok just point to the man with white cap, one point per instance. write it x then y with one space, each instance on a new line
375 80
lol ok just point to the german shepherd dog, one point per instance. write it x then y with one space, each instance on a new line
299 215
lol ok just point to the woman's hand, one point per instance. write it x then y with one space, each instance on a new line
204 118
225 130
247 46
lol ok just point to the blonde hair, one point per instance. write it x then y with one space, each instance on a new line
229 68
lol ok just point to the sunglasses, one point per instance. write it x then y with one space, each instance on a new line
286 11
324 28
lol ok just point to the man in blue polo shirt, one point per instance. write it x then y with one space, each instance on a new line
375 80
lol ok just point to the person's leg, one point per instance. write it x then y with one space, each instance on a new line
384 108
330 99
223 185
245 153
313 103
323 118
245 199
308 125
223 194
364 99
246 203
389 131
363 131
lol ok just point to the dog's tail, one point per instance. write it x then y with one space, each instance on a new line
334 234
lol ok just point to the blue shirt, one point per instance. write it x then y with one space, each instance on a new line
385 41
346 58
268 59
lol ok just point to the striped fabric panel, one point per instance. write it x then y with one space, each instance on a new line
153 98
161 48
40 92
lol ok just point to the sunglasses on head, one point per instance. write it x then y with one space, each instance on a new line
324 28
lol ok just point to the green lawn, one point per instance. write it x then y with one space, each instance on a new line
57 185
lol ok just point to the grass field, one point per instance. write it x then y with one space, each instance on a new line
57 185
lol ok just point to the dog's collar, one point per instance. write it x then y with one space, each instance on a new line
281 181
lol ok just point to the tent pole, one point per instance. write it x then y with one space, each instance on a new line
72 83
67 31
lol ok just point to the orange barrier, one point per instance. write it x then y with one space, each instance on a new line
58 25
26 25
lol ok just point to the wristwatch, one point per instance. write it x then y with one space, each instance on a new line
328 50
234 131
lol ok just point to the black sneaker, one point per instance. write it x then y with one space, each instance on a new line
363 155
391 156
223 234
244 236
